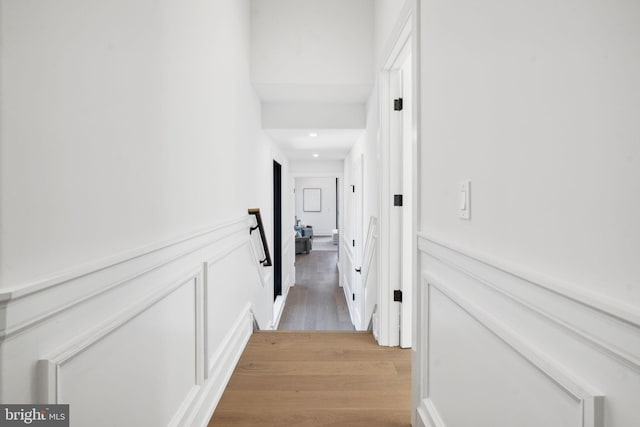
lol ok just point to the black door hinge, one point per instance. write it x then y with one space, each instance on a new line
353 297
397 200
353 188
397 104
354 243
397 296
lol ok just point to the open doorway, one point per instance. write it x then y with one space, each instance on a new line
398 205
277 230
316 213
316 302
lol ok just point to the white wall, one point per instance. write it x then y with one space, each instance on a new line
317 166
366 150
131 150
537 105
386 15
111 125
323 222
550 139
369 146
302 42
313 116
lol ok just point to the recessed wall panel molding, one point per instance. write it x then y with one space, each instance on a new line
28 305
221 367
495 345
351 293
145 348
176 313
580 313
236 338
541 382
221 298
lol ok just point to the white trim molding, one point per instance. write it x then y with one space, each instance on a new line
50 367
23 307
403 39
591 402
221 366
428 414
189 304
597 301
576 311
111 262
583 348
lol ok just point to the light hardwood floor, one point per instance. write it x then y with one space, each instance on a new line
309 379
316 302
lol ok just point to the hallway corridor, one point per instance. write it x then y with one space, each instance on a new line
317 379
316 302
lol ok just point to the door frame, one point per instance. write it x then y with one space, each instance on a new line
340 206
277 229
405 34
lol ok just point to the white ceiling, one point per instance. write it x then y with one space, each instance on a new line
313 93
330 144
312 65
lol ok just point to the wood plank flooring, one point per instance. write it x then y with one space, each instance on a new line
316 302
291 378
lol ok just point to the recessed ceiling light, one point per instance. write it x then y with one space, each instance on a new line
316 155
313 134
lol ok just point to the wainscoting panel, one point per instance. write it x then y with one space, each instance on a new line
458 381
226 298
288 260
143 352
147 338
497 347
351 289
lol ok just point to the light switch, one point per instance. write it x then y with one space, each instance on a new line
465 197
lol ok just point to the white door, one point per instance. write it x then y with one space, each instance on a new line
396 230
358 224
353 256
402 158
408 242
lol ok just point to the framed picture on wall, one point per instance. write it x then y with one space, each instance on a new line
311 199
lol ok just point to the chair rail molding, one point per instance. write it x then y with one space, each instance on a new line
28 305
573 310
110 329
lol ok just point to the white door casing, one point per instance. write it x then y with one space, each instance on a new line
358 253
397 245
407 237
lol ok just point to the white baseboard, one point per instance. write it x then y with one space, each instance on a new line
203 403
148 323
428 416
278 309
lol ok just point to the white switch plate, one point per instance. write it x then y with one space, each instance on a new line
464 197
